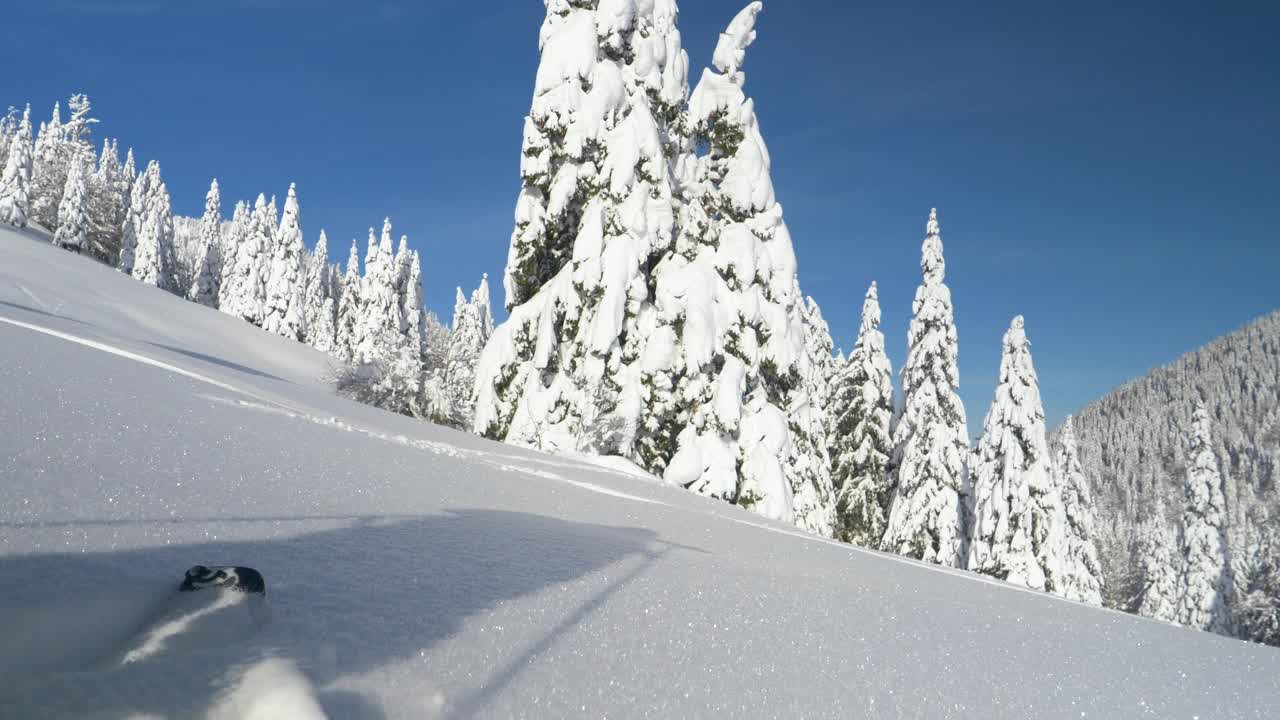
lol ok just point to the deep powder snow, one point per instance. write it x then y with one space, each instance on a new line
415 571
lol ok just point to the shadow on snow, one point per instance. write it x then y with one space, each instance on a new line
344 601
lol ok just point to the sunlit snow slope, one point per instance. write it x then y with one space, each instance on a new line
414 571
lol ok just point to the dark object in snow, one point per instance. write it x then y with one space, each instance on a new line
244 579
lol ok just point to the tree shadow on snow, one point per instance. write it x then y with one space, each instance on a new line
219 361
343 602
38 311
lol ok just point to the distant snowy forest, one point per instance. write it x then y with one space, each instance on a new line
655 313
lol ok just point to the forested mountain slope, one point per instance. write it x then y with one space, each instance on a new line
1134 442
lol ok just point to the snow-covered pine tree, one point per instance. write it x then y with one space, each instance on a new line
727 361
130 172
454 378
438 339
244 286
162 217
1018 519
692 386
208 276
413 300
1206 581
349 308
319 304
8 127
153 261
379 321
435 355
480 298
1082 570
387 357
139 195
269 234
467 341
48 174
594 213
234 235
283 312
324 334
861 422
15 183
927 513
73 221
59 147
273 232
1256 612
108 197
409 346
78 127
1158 590
813 495
401 263
408 288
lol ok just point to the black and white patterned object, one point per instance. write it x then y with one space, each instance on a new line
244 579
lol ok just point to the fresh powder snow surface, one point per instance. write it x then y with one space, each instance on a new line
414 571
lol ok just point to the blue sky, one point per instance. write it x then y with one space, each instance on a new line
1108 170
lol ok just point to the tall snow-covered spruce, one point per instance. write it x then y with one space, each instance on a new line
861 416
1082 570
587 361
233 237
208 275
594 212
15 183
1018 519
108 203
813 493
48 170
727 363
320 300
59 147
8 127
472 326
243 286
386 339
927 514
153 256
1158 590
135 215
409 343
282 310
625 337
378 327
1206 581
349 307
73 221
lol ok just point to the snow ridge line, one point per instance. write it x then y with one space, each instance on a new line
121 352
436 448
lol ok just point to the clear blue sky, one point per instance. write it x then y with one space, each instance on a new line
1109 170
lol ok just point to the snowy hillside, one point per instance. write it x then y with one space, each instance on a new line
413 571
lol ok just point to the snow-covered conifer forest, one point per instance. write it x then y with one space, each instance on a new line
655 313
1182 466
